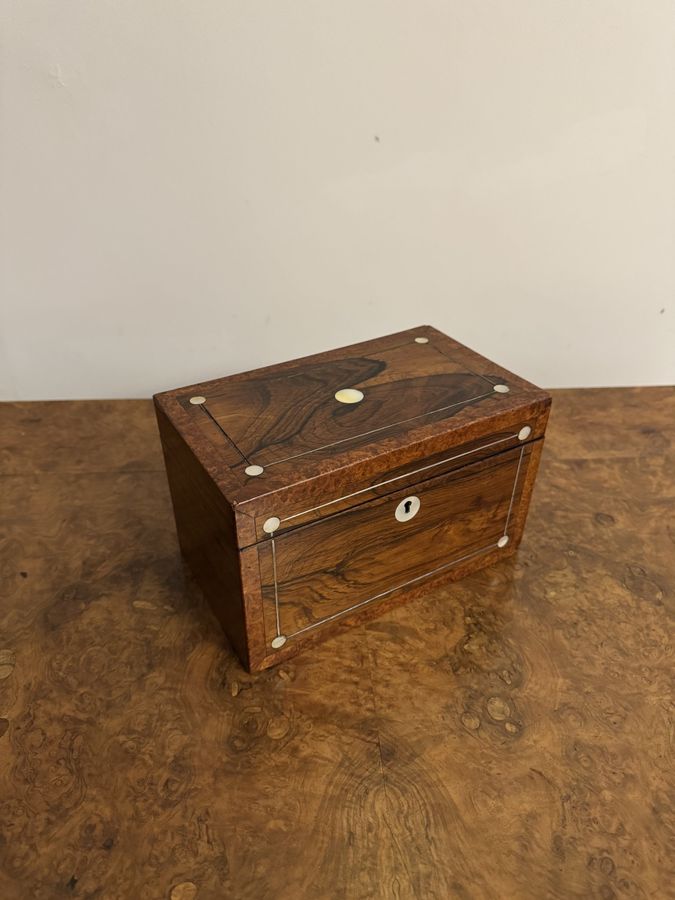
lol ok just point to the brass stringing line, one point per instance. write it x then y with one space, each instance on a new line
223 432
276 592
356 437
470 371
398 477
391 590
403 421
454 562
513 492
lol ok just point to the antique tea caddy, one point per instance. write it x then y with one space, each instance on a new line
317 493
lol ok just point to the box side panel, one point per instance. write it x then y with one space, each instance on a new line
253 608
207 534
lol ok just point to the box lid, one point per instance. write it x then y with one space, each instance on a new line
313 424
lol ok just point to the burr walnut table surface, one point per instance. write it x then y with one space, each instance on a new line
507 736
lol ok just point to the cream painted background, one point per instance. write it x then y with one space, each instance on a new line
195 188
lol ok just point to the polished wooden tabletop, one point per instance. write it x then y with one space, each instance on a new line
508 736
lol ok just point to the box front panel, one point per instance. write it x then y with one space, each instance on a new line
315 574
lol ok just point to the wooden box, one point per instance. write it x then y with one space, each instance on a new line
317 493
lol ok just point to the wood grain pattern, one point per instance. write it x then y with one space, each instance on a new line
506 736
274 419
361 488
287 419
320 571
419 399
206 533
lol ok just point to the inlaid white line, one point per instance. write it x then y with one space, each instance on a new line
276 590
355 437
391 590
283 375
412 580
398 477
513 492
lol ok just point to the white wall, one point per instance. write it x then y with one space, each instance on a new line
194 188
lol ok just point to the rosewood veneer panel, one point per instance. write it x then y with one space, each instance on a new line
286 498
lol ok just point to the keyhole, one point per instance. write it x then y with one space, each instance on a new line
407 509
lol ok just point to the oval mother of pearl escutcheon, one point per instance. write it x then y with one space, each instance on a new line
349 395
278 641
407 509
